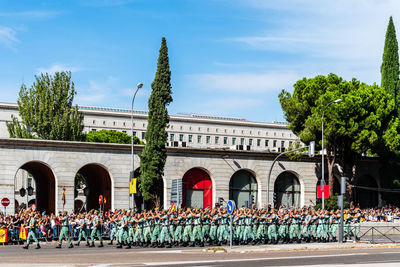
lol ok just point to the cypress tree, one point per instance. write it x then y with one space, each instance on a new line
153 157
390 64
46 110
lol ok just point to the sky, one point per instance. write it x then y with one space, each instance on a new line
228 58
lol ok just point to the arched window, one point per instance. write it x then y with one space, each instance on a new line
287 189
243 189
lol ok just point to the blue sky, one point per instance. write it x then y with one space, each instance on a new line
228 57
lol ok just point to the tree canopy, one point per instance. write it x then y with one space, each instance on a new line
363 122
46 110
110 136
153 157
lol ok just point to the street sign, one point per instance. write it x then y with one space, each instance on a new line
230 206
33 207
100 199
5 202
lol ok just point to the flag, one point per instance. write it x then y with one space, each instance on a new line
3 236
326 191
132 186
173 208
63 197
23 232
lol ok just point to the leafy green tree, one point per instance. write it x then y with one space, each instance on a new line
46 110
390 64
153 157
110 136
363 122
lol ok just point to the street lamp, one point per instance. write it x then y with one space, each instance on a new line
139 85
323 172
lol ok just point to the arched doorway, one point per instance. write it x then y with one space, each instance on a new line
96 181
243 188
41 178
366 192
197 189
287 190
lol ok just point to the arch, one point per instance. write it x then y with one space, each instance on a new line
367 195
98 181
197 189
45 185
288 191
243 187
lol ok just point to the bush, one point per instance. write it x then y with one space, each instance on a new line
331 203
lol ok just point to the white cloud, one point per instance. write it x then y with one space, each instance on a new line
58 68
30 14
245 82
343 35
8 37
97 93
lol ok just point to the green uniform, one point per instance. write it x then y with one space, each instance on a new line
164 234
32 232
82 230
272 233
96 229
138 237
187 231
197 234
64 231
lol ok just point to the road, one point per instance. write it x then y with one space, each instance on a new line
110 256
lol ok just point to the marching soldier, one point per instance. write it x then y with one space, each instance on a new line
64 230
82 226
32 231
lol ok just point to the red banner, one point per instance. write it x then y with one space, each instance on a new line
326 191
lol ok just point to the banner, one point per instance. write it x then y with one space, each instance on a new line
326 191
3 236
23 233
132 186
63 197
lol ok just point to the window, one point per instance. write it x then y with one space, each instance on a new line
225 140
233 140
124 131
225 130
190 128
242 141
208 139
266 142
250 142
233 131
144 125
190 138
290 143
208 129
171 137
216 140
125 124
171 126
113 122
274 134
282 143
216 130
181 127
258 142
199 139
274 143
104 122
181 137
94 122
93 130
133 133
143 135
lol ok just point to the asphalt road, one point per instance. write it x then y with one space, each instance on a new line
110 256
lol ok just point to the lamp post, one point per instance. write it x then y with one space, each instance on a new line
322 155
139 85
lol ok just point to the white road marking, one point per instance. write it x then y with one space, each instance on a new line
391 252
252 259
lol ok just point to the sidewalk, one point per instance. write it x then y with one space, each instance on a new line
297 247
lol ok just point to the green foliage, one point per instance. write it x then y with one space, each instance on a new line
110 136
296 155
363 122
331 203
46 110
390 64
80 181
153 157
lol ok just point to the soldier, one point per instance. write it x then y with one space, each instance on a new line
96 224
214 226
356 223
205 225
138 237
147 229
284 227
187 230
113 224
64 230
156 229
197 233
307 226
164 234
272 233
32 231
82 226
222 231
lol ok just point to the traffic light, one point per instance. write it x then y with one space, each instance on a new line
274 198
30 190
252 200
22 192
311 149
220 201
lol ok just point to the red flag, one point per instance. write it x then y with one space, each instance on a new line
173 208
326 191
63 197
